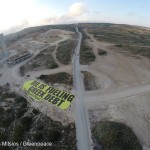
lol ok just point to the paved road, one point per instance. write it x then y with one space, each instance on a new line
82 128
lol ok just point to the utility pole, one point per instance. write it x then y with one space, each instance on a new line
3 45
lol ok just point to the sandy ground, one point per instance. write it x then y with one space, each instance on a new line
52 36
115 70
124 93
10 74
133 111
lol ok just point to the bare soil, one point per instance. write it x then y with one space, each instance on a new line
118 71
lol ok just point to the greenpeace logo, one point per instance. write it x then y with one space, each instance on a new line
25 143
9 144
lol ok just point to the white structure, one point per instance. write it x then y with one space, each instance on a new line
4 51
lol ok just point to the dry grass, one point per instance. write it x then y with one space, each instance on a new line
42 61
89 81
61 78
65 51
119 34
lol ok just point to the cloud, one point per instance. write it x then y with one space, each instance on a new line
52 20
16 28
33 15
71 16
77 9
97 12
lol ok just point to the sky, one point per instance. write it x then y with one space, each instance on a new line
18 14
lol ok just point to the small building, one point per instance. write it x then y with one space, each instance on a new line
21 56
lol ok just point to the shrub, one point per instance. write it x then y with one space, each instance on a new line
20 112
10 95
22 70
1 110
101 52
38 136
6 122
35 111
26 121
54 135
62 78
86 54
24 105
119 45
115 136
19 99
34 65
3 137
64 52
18 133
51 64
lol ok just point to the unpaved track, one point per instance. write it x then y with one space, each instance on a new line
94 100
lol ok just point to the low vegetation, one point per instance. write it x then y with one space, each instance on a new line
130 39
119 34
61 78
35 31
31 125
64 52
86 53
89 81
22 70
115 136
84 35
134 50
42 61
101 52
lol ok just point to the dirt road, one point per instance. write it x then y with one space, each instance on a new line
95 99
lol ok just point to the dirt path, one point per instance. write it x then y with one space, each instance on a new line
115 70
54 56
109 97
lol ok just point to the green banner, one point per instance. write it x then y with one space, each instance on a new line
39 92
